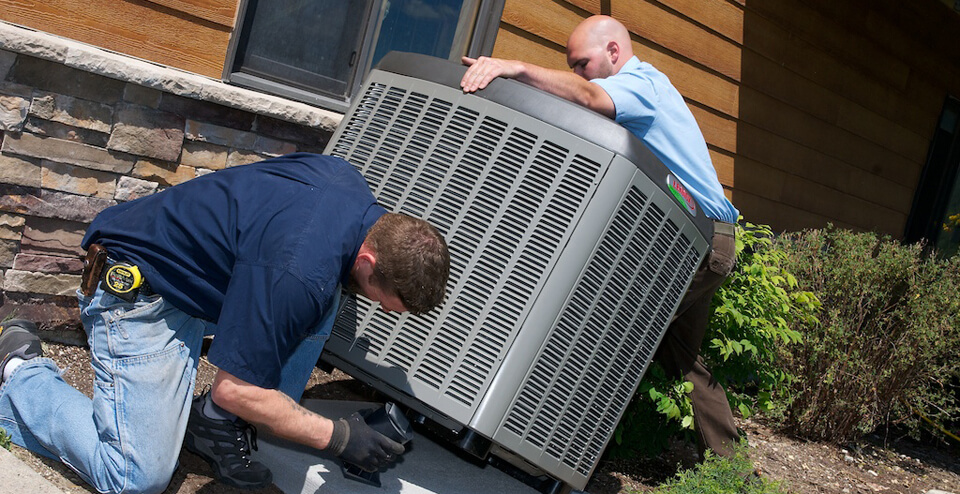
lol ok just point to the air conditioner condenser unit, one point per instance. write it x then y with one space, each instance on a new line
571 247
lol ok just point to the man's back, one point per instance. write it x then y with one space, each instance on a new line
649 106
189 239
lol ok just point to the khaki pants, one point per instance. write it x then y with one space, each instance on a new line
678 352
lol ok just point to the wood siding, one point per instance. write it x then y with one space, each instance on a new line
817 111
192 35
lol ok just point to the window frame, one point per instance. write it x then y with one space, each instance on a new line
485 26
937 180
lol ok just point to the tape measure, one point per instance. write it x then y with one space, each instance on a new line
122 280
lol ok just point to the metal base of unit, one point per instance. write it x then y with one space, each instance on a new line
447 431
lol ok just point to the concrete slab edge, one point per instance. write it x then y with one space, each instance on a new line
16 473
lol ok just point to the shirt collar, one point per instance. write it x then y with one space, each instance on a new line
632 64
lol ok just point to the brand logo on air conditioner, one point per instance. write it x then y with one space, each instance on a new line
681 195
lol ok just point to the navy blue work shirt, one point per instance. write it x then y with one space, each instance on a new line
257 249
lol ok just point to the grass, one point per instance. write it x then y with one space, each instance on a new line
719 475
4 439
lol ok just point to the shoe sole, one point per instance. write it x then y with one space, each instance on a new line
191 447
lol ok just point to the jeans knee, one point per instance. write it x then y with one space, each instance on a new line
131 481
151 481
121 477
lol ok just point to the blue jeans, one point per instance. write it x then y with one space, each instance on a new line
296 371
144 356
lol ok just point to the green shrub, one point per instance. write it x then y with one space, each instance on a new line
888 336
719 475
659 411
753 314
756 313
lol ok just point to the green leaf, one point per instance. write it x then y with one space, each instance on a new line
736 347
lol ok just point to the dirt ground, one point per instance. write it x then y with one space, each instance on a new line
876 465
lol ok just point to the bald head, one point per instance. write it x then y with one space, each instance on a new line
598 47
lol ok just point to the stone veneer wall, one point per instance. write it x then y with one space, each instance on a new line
84 129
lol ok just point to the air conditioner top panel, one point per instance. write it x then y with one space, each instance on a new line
553 110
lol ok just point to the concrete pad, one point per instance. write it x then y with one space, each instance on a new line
17 476
426 467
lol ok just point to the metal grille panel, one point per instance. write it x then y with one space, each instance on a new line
542 358
588 369
504 197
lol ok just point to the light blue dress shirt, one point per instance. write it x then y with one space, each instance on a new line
650 107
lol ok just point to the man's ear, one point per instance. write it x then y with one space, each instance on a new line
613 52
364 265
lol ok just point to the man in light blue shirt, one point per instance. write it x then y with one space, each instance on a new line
651 108
610 80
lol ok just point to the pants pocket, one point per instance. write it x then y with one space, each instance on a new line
145 329
723 256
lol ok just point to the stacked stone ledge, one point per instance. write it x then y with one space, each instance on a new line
84 129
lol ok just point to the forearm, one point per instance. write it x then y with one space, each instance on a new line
566 85
272 410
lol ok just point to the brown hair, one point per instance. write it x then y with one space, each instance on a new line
412 259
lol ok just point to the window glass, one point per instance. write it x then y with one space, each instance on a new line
318 51
935 216
418 26
948 241
948 238
308 44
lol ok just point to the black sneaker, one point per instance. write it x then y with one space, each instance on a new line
225 445
18 338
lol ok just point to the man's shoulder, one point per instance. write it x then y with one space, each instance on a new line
311 168
308 159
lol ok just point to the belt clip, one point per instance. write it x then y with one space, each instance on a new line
724 228
122 280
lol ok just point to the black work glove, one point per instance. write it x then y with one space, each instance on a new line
355 442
